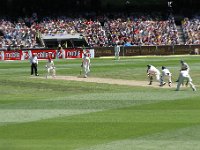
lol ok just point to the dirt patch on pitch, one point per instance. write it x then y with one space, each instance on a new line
109 81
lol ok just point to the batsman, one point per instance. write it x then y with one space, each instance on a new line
51 69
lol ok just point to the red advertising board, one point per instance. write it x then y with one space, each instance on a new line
65 53
73 53
45 54
12 55
1 55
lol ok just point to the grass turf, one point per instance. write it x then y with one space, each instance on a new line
56 115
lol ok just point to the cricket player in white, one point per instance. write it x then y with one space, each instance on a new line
51 69
184 75
117 51
184 66
153 71
86 65
165 73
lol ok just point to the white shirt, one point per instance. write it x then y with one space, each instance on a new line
50 64
86 61
166 72
185 66
117 49
152 70
34 60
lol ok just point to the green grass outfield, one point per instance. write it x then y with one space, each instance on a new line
46 114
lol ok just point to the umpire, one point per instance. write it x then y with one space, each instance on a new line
34 64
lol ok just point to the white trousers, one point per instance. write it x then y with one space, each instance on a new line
168 76
184 75
51 71
86 69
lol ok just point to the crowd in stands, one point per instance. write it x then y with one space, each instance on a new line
18 33
142 31
191 29
99 30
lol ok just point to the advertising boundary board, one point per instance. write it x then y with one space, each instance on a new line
25 54
71 53
148 50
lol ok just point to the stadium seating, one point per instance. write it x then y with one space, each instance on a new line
99 31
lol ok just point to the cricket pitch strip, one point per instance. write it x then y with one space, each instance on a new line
110 81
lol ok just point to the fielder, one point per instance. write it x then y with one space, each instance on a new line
165 73
85 65
184 75
51 69
184 67
151 72
117 51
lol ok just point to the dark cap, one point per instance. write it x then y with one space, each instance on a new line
149 66
163 67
